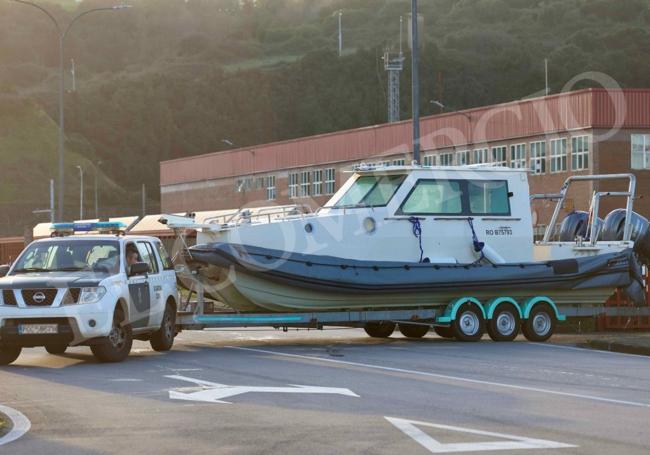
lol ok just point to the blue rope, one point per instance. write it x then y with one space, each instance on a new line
478 246
417 232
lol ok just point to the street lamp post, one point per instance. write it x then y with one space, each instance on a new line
97 164
62 35
415 82
81 192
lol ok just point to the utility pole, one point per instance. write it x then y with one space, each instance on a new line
52 215
73 76
144 200
546 90
81 192
415 82
97 164
340 32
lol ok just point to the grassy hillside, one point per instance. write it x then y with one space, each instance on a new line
29 159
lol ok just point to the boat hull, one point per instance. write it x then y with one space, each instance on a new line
250 278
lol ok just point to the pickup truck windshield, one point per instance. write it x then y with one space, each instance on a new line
99 256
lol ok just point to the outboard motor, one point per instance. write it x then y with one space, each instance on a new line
576 224
614 226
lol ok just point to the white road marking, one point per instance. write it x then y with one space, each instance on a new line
594 351
126 380
20 425
452 378
512 442
213 392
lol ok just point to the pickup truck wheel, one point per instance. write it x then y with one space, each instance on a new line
163 338
118 342
8 355
56 349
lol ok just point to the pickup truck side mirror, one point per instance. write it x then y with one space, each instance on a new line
139 268
4 269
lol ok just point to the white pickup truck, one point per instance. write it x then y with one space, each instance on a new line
98 290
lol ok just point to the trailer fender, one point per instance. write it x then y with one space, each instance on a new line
449 315
531 302
491 306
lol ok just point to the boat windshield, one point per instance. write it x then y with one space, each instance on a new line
371 191
99 256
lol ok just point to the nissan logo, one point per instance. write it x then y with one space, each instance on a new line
39 297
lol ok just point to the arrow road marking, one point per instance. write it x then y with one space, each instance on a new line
20 425
512 442
213 392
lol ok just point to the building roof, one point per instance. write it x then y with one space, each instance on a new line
581 109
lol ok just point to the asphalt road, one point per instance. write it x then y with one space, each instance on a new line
577 401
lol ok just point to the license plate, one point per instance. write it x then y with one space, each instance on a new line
38 329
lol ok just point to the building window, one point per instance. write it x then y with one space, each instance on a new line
481 156
462 158
429 160
270 187
580 153
330 181
304 183
293 185
499 156
399 162
259 183
317 183
518 156
538 157
446 159
558 155
641 151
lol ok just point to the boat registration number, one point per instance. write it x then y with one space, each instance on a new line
38 329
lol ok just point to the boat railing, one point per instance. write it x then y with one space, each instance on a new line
595 203
268 214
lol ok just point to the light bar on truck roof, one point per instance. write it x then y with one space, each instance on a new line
111 227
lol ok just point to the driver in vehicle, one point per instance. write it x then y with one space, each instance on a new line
132 256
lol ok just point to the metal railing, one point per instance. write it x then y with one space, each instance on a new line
561 197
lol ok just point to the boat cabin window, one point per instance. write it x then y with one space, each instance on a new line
435 197
457 197
488 197
371 191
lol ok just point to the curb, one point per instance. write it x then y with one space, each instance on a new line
614 346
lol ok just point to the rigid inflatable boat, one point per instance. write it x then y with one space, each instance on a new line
414 236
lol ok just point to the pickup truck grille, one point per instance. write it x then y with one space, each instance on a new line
9 297
39 297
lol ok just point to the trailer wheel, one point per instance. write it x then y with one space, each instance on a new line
163 338
444 332
468 325
413 331
380 329
540 325
8 355
56 349
504 325
118 343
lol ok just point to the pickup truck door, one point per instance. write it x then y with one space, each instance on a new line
155 307
140 305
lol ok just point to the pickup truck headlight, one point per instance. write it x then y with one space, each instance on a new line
92 295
